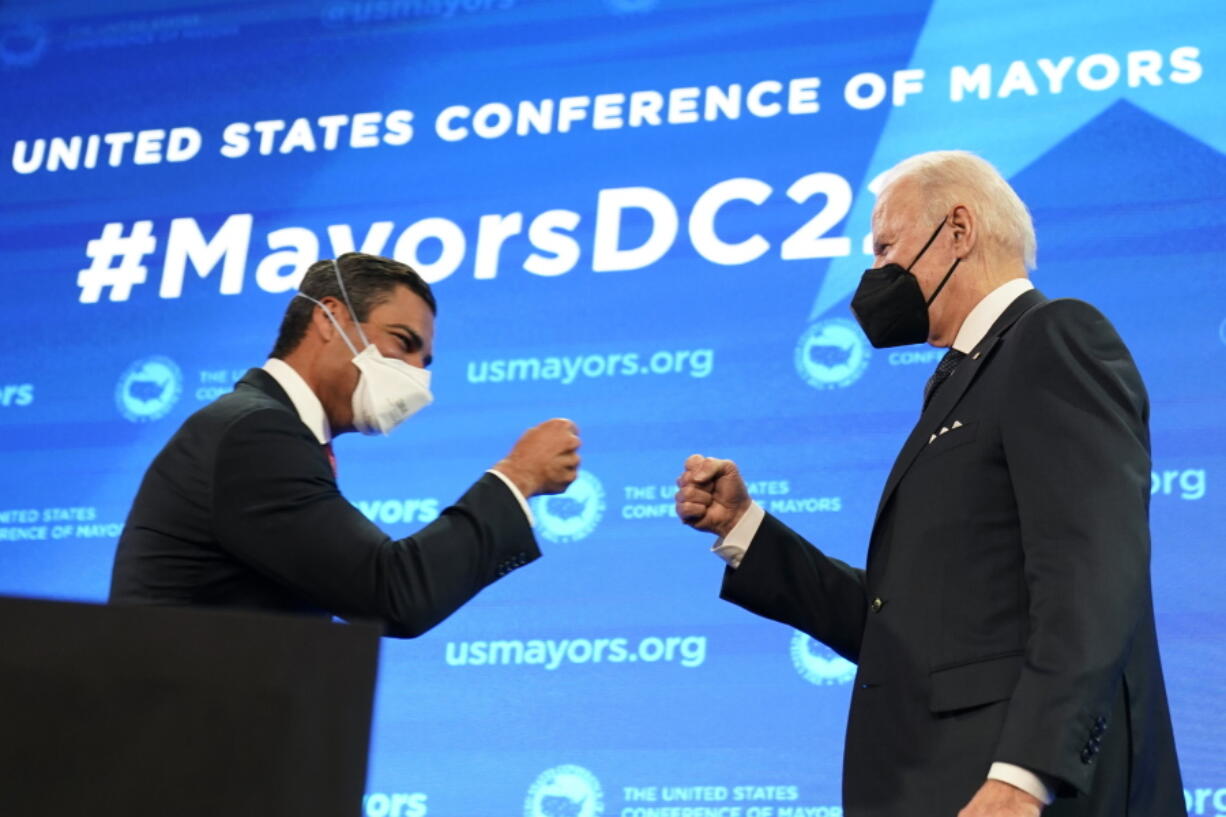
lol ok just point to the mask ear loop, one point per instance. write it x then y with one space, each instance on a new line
927 244
328 312
923 250
944 281
352 313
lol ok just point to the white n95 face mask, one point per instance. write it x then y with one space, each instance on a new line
389 391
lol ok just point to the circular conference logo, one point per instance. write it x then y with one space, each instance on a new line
832 353
818 664
565 791
573 515
148 389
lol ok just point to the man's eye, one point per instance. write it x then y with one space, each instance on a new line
407 342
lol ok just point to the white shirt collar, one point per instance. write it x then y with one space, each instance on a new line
985 313
309 409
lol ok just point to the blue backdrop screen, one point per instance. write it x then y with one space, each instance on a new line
645 215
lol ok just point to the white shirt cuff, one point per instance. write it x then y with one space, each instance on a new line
732 547
1023 779
523 503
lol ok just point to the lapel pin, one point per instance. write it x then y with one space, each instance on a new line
975 356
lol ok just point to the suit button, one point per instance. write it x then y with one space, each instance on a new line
877 604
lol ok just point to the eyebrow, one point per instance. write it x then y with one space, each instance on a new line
415 336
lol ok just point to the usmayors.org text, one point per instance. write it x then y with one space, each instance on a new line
550 653
568 368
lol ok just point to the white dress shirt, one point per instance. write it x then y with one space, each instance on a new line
732 547
311 412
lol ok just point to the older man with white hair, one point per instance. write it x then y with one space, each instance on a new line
1003 625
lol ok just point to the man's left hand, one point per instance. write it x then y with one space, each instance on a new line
998 799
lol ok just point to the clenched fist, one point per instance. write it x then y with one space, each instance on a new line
711 495
545 460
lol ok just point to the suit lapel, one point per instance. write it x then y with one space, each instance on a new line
952 390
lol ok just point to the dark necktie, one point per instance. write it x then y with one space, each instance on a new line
331 457
944 369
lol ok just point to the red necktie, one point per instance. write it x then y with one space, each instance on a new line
331 457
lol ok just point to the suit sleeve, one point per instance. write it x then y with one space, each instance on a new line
1077 446
783 577
277 509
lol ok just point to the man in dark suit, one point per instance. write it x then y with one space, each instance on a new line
241 508
1003 627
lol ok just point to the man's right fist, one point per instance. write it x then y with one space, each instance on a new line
711 495
545 460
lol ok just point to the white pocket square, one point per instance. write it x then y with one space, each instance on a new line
945 430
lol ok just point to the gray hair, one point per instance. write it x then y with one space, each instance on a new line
951 177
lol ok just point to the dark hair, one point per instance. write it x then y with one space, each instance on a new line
369 281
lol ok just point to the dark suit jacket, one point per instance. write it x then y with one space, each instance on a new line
1005 613
241 509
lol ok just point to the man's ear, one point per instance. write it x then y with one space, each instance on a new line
964 230
323 325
